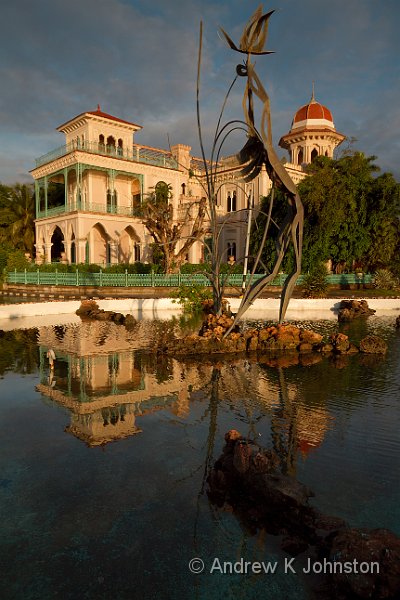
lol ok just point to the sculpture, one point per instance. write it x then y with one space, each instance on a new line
257 152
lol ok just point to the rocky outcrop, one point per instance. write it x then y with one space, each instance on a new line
373 344
273 339
89 309
247 480
341 344
352 309
363 547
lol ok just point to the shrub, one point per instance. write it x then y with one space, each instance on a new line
385 280
315 283
17 260
192 297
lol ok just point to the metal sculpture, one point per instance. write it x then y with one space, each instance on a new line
259 151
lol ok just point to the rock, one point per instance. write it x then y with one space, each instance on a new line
232 435
340 343
293 545
252 344
241 456
363 547
326 348
304 347
130 321
372 344
310 337
86 307
351 309
118 318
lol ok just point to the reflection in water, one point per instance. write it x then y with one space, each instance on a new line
86 512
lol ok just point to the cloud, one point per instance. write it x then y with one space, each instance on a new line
139 62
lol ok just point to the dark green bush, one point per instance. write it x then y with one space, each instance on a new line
315 283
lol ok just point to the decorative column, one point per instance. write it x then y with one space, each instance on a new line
65 189
113 252
45 195
80 246
67 252
47 247
39 254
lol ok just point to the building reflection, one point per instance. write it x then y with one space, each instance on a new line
106 382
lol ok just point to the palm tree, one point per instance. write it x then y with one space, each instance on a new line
18 217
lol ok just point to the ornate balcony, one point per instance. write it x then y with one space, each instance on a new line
138 154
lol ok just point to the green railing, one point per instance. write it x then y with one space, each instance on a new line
89 207
138 154
126 279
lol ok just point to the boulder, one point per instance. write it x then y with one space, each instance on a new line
362 548
86 307
340 343
373 344
130 321
351 309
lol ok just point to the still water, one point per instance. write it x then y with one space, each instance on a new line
103 463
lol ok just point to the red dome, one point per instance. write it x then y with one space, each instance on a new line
313 110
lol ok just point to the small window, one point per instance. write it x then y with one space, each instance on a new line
137 252
229 203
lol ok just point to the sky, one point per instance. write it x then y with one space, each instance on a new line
138 60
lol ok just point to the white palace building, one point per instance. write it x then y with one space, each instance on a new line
101 175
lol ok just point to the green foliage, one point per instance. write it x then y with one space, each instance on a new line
17 260
17 216
315 283
385 280
193 268
192 297
351 216
19 351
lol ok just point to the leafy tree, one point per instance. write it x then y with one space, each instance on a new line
17 216
157 213
351 216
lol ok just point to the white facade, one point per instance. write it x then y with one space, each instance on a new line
101 176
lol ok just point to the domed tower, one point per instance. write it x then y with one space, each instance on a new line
312 134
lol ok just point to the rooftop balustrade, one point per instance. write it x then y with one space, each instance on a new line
139 154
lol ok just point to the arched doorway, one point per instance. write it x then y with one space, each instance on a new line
57 240
99 245
129 246
314 154
73 250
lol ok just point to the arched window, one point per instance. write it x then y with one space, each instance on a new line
314 154
300 157
111 201
229 203
137 252
102 145
163 192
234 201
110 145
183 189
120 149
